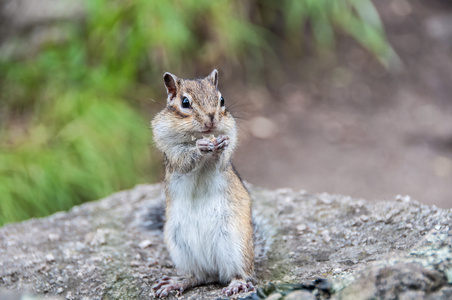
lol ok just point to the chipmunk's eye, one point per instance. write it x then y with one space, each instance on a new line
185 103
222 101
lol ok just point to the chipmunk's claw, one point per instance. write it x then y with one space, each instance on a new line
163 286
205 146
236 287
221 143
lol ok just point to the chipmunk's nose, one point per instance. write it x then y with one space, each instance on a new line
210 123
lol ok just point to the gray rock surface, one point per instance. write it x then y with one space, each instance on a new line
106 249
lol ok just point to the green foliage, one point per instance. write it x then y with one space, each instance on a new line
73 127
76 150
321 19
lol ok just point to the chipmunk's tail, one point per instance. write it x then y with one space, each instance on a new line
154 218
264 235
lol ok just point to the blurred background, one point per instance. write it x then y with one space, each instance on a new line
351 96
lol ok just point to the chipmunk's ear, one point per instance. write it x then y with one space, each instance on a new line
172 84
213 77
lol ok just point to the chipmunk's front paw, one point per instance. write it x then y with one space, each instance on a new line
205 146
238 286
221 143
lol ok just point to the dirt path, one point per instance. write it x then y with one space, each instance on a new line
356 129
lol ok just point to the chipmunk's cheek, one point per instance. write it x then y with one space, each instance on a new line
196 126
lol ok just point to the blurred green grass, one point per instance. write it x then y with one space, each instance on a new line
74 126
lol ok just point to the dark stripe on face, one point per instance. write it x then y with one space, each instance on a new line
177 112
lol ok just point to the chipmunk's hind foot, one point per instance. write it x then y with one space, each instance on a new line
163 286
238 286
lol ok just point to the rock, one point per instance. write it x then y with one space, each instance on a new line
275 296
26 25
144 244
107 249
8 295
28 13
422 273
300 295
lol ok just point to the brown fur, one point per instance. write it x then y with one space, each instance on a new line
241 205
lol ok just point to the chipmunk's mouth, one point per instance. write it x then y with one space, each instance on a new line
206 132
203 135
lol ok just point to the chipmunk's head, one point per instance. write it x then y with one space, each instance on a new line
196 106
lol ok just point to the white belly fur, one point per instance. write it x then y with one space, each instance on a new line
199 232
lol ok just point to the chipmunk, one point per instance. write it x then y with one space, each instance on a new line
208 229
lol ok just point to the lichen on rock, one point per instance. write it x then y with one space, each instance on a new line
113 248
